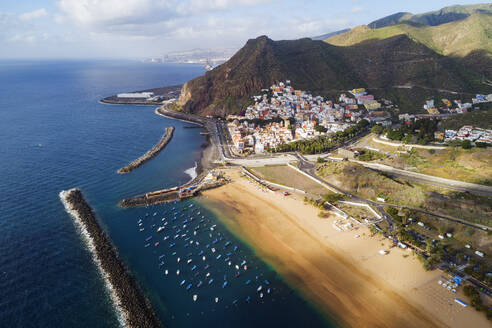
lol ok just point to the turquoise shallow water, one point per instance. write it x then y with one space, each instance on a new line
55 135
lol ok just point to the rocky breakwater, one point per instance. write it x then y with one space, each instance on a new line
166 138
133 308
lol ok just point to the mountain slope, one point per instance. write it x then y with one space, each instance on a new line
433 18
458 38
321 68
329 35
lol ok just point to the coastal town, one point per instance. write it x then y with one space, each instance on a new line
282 114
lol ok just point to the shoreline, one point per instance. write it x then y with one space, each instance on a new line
154 151
133 308
342 275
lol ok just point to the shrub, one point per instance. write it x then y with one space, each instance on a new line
466 144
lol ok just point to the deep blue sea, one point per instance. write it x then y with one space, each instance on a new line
55 135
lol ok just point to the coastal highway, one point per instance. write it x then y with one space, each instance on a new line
430 179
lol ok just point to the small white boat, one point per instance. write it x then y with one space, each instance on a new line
216 300
261 295
195 297
179 259
177 272
203 258
166 272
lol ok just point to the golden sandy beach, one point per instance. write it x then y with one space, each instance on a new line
343 275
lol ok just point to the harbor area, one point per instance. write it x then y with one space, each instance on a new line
205 181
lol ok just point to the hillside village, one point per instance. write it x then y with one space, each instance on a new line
282 114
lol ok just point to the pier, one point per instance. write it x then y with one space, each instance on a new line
166 138
191 189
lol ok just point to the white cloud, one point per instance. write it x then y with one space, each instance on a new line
357 9
33 14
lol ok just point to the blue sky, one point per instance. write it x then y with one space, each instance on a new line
144 28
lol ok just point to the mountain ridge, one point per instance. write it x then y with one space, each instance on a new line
321 68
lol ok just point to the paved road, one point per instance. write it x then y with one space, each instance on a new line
309 168
432 180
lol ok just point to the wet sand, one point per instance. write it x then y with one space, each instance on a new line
343 276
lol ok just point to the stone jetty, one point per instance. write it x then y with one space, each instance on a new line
166 138
131 303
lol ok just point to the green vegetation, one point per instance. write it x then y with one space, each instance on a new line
369 184
445 39
420 131
475 300
324 143
470 165
433 18
325 69
478 118
377 129
369 155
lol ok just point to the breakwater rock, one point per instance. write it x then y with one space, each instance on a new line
134 309
166 138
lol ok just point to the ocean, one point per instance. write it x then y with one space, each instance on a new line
55 135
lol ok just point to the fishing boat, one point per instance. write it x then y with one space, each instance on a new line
177 272
166 272
261 295
189 286
147 245
161 256
243 262
248 282
199 284
235 248
210 281
160 229
234 302
203 258
195 297
156 244
268 290
179 259
259 288
207 266
142 229
224 285
213 250
216 300
237 267
201 253
189 261
193 268
266 282
219 256
182 282
148 238
172 245
207 275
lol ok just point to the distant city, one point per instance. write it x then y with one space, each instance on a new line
209 58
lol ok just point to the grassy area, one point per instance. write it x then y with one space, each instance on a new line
371 184
284 175
470 165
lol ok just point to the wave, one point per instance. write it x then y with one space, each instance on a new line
192 171
81 228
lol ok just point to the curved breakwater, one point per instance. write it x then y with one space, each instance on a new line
133 308
166 138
